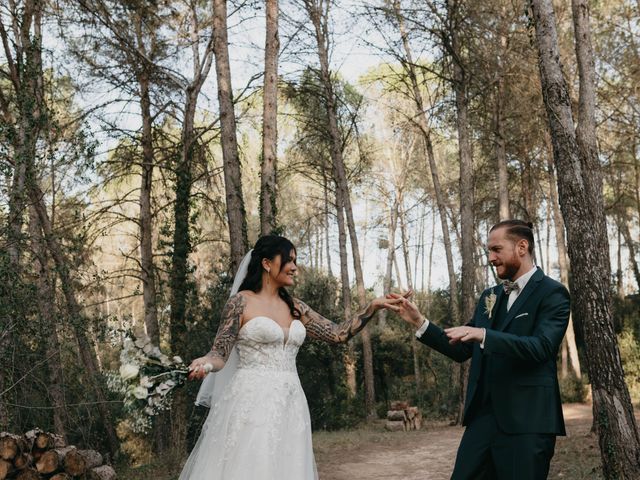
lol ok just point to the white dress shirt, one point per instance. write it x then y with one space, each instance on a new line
521 281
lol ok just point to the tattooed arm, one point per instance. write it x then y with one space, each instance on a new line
323 329
224 341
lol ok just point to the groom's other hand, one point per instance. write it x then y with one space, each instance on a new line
407 310
465 334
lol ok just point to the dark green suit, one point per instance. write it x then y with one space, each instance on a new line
513 410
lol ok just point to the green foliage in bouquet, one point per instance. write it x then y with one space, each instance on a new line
146 379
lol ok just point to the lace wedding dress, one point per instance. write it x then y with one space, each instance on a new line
259 428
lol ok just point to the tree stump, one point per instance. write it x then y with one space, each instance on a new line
74 463
6 468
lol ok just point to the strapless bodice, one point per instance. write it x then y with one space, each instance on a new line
263 344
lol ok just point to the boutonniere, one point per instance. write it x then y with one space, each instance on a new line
489 303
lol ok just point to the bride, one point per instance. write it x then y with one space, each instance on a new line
259 426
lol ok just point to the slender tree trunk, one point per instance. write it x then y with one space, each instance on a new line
460 86
417 373
76 319
268 183
326 224
563 263
423 124
500 144
46 309
318 13
631 246
147 273
231 161
580 192
391 249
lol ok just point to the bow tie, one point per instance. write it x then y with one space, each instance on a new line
510 286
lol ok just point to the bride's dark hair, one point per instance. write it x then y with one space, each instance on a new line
269 246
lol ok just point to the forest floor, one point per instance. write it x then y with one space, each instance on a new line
428 454
372 453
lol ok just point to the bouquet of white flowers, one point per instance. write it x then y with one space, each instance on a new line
146 379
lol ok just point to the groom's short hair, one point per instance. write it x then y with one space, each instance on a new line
516 230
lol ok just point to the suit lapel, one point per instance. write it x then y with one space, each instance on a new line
531 285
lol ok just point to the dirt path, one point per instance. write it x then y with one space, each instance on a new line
429 454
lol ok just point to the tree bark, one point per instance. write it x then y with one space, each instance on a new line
76 319
423 124
268 177
580 192
460 87
563 263
318 13
46 309
231 161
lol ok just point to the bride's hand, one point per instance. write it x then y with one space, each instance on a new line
199 368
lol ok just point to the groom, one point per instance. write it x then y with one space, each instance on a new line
512 410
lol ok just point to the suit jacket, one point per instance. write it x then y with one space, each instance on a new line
519 356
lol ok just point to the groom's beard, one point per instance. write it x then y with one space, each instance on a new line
509 269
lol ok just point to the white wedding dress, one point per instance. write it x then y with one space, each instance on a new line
259 428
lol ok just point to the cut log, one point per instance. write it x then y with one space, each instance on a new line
412 412
11 446
43 441
22 461
92 458
74 463
399 405
396 415
417 423
50 462
395 426
30 437
6 468
105 472
29 474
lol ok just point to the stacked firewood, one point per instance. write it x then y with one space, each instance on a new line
39 455
402 417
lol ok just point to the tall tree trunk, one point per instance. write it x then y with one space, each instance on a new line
326 222
147 273
631 246
231 161
460 86
391 250
318 13
563 263
423 124
76 318
23 62
500 141
46 310
417 373
580 192
182 286
268 183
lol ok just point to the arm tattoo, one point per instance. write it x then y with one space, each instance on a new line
227 331
323 329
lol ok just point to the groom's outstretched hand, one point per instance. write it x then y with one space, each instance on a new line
404 307
465 334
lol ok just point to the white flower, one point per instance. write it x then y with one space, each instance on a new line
165 387
145 382
489 303
140 393
177 359
129 371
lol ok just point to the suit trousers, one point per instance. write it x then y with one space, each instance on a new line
486 453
